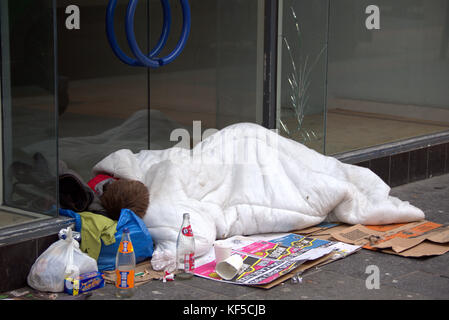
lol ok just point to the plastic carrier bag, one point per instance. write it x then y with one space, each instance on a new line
140 237
62 259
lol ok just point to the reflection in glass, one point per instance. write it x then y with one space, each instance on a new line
111 105
106 105
216 78
28 107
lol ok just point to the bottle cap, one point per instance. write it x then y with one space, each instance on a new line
126 230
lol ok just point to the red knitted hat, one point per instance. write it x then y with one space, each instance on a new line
97 183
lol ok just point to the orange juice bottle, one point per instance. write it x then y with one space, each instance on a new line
125 264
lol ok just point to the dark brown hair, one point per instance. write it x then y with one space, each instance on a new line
125 194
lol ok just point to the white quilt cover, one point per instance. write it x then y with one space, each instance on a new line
246 180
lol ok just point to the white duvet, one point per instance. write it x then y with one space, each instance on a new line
246 180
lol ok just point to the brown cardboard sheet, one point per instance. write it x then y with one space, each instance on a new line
414 239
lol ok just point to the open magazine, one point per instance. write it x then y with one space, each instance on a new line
266 258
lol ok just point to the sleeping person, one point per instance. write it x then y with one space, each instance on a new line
245 180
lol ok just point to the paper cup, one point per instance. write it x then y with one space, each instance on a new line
230 267
222 251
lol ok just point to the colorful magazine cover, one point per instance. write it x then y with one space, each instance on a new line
255 271
264 261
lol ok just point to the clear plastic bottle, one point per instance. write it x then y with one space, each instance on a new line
125 264
185 250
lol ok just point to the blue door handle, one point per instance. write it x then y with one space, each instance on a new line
110 32
150 60
130 13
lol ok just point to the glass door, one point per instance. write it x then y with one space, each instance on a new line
28 101
104 104
109 105
68 101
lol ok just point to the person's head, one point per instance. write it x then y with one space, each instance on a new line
125 194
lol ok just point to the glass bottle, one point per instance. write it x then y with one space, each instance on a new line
125 264
185 250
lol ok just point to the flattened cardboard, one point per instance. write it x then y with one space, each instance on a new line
415 239
305 266
439 236
322 231
357 235
319 227
424 249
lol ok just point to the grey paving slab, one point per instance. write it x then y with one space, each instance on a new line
431 285
328 285
390 266
431 195
232 291
158 290
438 265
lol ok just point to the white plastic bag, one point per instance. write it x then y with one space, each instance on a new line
163 260
62 259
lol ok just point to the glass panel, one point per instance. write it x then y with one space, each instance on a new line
302 79
391 83
217 78
104 102
28 107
